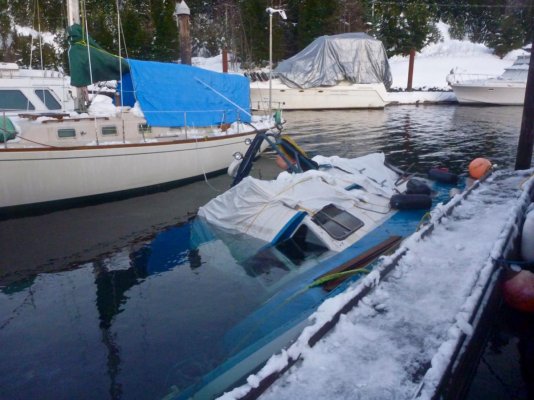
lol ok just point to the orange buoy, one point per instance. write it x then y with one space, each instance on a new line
479 167
518 291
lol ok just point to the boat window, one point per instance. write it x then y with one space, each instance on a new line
48 99
144 128
302 245
109 130
14 100
66 133
338 223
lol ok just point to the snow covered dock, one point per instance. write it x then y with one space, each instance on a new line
399 339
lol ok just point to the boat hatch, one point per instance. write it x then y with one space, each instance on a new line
338 223
109 130
66 133
144 128
303 244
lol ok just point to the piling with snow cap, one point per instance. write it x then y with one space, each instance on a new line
182 14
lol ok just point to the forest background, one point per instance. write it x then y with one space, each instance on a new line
150 31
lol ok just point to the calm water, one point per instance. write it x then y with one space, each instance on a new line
95 302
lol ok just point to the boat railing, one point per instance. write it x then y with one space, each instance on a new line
461 77
118 127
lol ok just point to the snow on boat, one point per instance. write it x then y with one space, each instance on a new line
184 123
304 236
411 328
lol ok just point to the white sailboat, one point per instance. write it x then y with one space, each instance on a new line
186 124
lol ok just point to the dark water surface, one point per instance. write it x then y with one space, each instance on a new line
95 302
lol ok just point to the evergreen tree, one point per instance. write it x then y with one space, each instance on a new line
165 46
405 26
316 18
136 26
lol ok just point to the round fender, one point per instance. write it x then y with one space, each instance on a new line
410 201
233 167
518 291
442 175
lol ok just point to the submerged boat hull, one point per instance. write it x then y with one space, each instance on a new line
510 94
342 96
42 176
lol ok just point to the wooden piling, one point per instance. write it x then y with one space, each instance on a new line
410 70
526 137
182 14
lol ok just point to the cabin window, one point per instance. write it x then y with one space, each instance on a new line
338 223
109 130
14 100
144 128
302 245
66 133
48 99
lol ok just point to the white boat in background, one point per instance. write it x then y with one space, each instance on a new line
507 89
345 71
33 90
186 123
344 95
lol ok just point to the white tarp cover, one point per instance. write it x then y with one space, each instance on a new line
328 60
262 208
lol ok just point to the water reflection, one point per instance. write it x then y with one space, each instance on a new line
427 135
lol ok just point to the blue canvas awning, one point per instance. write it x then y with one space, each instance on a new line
178 95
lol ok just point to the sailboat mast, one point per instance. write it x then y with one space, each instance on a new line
73 12
73 17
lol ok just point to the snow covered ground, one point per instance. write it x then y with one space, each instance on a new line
431 67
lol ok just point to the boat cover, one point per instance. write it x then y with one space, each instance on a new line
262 209
89 63
177 95
355 57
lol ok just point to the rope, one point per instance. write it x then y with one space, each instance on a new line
331 277
204 171
39 143
518 264
270 203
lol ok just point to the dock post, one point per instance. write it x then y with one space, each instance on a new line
410 70
523 158
182 14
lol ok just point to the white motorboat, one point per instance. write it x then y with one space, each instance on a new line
344 95
506 89
186 124
33 90
349 70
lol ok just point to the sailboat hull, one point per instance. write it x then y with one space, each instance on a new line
42 176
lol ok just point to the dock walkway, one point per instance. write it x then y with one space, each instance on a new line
397 341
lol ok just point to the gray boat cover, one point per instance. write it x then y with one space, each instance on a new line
354 57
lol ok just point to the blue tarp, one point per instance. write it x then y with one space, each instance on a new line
182 95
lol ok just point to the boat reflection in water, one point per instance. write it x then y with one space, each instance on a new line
144 321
